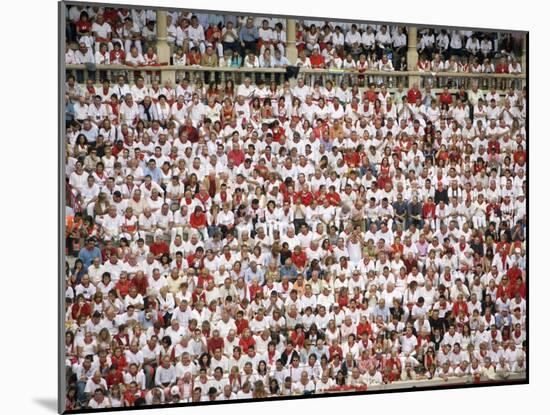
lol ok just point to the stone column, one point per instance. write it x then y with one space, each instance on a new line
412 53
163 49
291 51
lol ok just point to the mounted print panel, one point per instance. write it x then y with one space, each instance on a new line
278 207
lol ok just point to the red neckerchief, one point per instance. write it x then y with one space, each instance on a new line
203 199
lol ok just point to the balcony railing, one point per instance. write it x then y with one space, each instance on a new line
222 74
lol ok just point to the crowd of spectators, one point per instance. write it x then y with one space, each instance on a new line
273 240
104 36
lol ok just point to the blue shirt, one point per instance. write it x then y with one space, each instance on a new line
287 271
203 19
249 275
69 111
155 173
383 312
215 19
236 61
501 321
144 322
87 256
280 62
249 34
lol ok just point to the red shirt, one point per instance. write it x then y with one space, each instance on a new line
84 26
114 378
159 248
299 260
192 134
397 248
246 343
413 95
519 155
317 61
197 220
86 310
504 289
363 328
446 98
241 325
141 285
332 350
106 253
371 95
237 156
120 362
513 274
494 145
409 264
278 133
210 32
382 180
352 159
307 197
320 132
123 287
334 198
213 344
131 398
428 211
297 339
521 289
110 16
343 300
194 58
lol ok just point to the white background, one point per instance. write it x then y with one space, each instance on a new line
28 228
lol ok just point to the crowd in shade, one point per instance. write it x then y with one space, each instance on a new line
253 241
105 36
